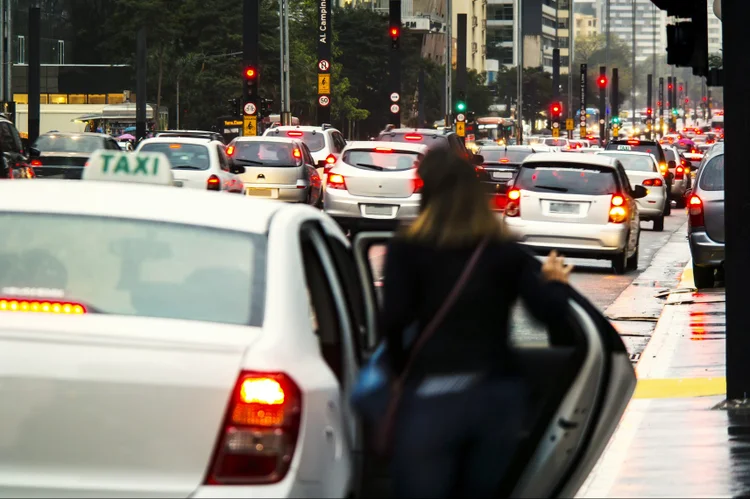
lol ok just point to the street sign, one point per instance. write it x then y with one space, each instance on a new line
570 124
324 100
250 108
460 128
555 132
583 130
615 130
460 117
324 84
395 97
324 65
395 108
249 126
601 122
555 125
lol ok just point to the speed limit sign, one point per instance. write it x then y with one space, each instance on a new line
395 108
324 100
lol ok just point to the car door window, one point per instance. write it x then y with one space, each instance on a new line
307 156
223 162
6 139
341 141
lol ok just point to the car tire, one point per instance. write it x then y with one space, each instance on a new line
659 224
620 262
632 263
703 277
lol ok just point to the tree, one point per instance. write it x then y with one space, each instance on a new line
537 90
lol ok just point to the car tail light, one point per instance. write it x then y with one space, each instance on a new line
634 142
230 150
36 162
412 136
336 181
213 183
41 306
695 210
679 172
653 182
260 431
417 183
331 159
499 202
513 205
663 168
617 211
294 134
383 149
297 153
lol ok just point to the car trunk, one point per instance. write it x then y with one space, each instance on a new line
562 207
67 165
277 175
191 179
502 173
381 184
111 406
713 214
637 177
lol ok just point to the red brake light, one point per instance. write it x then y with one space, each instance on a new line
618 211
653 182
43 306
418 183
297 153
618 200
513 206
504 160
213 183
695 210
260 431
634 142
336 181
36 162
331 159
412 136
383 149
230 150
294 134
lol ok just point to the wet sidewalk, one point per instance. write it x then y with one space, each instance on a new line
676 439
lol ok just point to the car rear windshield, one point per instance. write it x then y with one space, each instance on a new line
556 142
634 162
712 177
430 140
567 179
265 153
670 155
182 156
315 141
382 159
502 156
69 143
135 267
649 148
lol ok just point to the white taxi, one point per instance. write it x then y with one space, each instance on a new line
162 342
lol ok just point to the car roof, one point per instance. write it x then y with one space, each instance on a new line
178 140
645 142
421 131
302 128
139 201
77 134
372 144
572 159
267 138
606 152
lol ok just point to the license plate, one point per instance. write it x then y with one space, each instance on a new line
502 175
259 192
564 208
378 210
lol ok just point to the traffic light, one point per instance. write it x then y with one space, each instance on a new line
687 40
649 112
460 103
250 75
556 110
602 81
670 86
616 120
266 106
394 29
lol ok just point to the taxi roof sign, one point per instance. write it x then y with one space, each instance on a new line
121 166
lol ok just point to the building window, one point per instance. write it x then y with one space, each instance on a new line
115 99
21 56
60 52
21 98
77 99
58 99
97 99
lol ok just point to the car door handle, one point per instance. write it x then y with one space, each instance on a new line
330 434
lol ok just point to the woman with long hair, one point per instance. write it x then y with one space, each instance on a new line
463 400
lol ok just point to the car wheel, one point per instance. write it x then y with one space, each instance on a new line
620 262
659 224
632 263
703 277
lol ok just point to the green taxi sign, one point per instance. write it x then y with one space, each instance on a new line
121 166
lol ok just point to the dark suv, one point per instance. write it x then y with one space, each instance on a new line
63 155
652 147
15 154
431 138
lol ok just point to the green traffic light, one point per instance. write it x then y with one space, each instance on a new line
460 107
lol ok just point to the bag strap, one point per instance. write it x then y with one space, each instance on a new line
450 300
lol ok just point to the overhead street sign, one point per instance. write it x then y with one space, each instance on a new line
324 65
324 84
250 108
324 100
395 97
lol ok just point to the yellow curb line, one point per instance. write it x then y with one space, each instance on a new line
680 388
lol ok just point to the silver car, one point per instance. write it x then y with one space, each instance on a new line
680 169
706 220
643 169
579 204
277 168
374 185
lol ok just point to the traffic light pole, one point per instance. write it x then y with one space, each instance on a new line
615 100
461 106
324 65
583 89
555 119
394 62
251 75
661 106
649 107
602 105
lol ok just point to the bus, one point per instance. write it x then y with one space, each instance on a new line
496 129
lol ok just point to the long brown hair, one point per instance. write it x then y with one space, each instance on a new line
455 209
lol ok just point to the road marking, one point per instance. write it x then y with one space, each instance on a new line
680 388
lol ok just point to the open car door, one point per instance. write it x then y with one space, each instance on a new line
581 382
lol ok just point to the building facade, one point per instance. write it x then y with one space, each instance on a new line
715 32
650 34
585 25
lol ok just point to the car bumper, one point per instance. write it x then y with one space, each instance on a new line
571 238
282 192
679 188
352 211
59 172
652 206
705 251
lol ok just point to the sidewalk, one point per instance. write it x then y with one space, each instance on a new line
672 441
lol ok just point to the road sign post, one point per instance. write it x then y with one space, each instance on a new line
583 88
394 31
251 56
323 66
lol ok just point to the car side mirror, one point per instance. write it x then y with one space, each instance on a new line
672 164
478 159
237 169
34 152
639 192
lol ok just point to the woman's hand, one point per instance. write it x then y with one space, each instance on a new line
554 269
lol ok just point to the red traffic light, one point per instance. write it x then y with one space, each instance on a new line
705 99
649 111
680 89
394 32
250 73
556 109
658 104
602 81
687 100
670 86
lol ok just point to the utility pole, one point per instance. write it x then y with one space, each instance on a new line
251 75
633 64
615 102
555 115
35 74
519 70
286 104
661 106
649 107
324 66
602 104
583 89
571 53
608 16
394 62
461 105
448 64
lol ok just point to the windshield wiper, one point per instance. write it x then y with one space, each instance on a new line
186 167
248 161
373 167
551 188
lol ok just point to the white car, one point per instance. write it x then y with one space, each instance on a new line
197 163
325 142
579 204
161 342
643 169
374 185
